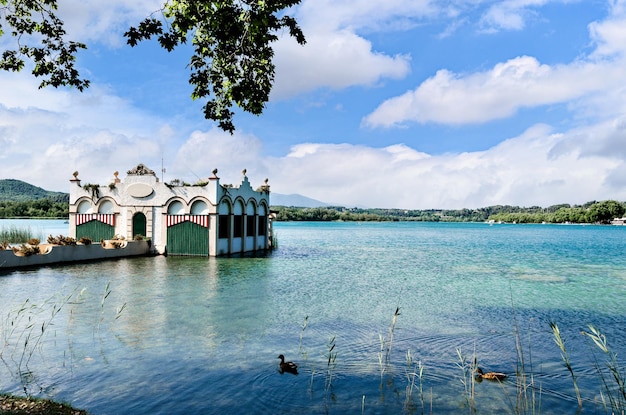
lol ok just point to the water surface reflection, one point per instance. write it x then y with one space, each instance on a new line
202 335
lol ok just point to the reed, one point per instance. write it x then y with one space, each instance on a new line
105 295
331 364
385 345
312 379
304 326
468 369
15 235
392 328
118 311
414 370
381 355
613 382
558 339
527 401
23 332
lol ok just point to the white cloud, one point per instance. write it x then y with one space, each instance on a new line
610 35
450 98
511 14
47 134
329 15
521 82
532 169
337 55
97 21
230 154
540 167
333 60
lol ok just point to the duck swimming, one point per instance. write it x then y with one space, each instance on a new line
289 367
489 375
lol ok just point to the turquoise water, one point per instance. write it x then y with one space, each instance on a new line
202 335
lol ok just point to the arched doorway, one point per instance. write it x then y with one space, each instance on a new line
139 224
188 234
95 226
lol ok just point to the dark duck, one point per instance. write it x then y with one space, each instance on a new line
289 367
480 375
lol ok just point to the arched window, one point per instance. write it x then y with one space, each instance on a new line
176 208
106 207
250 218
199 207
224 220
262 224
84 207
238 220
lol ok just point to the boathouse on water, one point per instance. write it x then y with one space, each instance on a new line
205 219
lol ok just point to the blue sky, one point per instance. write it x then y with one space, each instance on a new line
410 104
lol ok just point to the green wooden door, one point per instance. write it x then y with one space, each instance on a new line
139 224
188 238
95 230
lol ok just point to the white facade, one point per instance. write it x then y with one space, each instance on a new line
224 219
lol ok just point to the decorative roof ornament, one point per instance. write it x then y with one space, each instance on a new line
265 187
75 178
141 170
244 172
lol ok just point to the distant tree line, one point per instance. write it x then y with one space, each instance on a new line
590 212
40 208
593 212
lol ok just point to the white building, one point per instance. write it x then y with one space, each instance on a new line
207 219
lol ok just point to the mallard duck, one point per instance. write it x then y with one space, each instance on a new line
289 367
490 375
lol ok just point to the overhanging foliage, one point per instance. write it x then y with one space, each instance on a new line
231 63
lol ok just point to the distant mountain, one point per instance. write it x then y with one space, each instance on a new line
295 200
18 191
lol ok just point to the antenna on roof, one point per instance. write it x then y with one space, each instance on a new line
194 173
162 170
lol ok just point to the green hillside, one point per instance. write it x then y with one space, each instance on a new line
18 191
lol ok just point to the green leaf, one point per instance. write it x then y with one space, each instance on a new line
232 60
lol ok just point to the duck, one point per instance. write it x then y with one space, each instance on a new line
490 375
289 367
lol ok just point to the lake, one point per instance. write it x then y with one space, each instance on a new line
182 335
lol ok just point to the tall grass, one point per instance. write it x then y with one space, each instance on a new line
558 339
385 345
23 331
527 401
25 328
304 326
15 235
613 381
331 355
414 370
468 369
